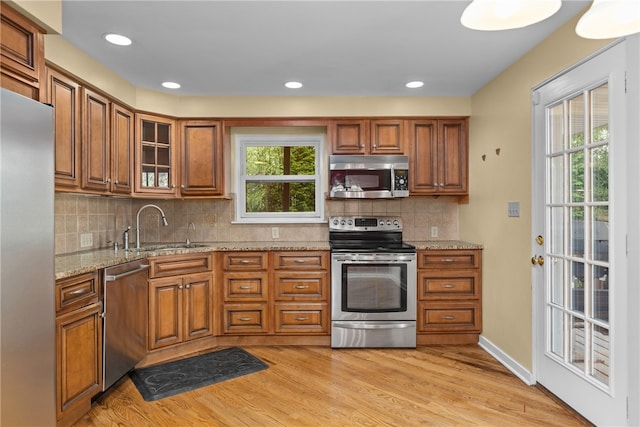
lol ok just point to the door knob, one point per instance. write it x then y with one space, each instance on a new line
537 260
539 240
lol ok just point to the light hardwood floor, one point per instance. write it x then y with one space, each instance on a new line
457 385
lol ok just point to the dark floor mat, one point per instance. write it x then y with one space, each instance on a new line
169 379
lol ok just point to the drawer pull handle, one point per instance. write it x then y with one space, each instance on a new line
301 287
301 319
300 261
448 260
79 291
245 287
245 319
449 317
245 261
448 286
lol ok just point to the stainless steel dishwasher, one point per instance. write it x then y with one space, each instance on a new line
125 308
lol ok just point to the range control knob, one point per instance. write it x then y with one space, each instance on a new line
335 222
388 222
382 222
396 222
350 222
343 222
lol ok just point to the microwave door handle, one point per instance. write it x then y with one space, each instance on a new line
393 180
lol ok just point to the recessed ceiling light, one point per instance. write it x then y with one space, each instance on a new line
293 85
118 39
415 84
171 85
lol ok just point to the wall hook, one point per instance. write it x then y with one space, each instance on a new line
497 151
484 157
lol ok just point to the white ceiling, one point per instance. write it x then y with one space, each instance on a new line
348 48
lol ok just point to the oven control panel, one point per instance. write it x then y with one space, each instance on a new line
357 223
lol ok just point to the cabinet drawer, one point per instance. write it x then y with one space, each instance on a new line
301 318
75 292
301 260
449 317
244 261
245 319
175 265
240 286
465 285
449 259
295 285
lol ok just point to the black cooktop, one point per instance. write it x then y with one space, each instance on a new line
371 247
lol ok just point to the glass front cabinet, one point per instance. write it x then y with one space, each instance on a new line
155 155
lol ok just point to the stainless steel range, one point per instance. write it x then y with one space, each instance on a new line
373 283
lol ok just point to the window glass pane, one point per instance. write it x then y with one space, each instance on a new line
577 286
577 231
576 344
600 233
576 121
163 177
280 197
557 326
557 179
280 160
600 354
599 157
148 176
148 154
163 133
577 176
600 113
600 295
557 230
148 131
163 156
556 116
557 283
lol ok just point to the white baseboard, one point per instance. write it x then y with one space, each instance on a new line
502 357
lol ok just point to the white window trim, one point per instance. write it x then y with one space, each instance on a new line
244 217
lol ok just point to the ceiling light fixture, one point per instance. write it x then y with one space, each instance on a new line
293 85
118 39
607 19
494 15
415 84
171 85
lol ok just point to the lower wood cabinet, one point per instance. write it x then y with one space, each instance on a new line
282 293
78 346
449 296
181 305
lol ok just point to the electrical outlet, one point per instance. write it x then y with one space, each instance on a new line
86 240
275 233
434 231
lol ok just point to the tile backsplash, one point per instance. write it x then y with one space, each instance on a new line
106 218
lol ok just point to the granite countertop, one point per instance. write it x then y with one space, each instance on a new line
68 265
443 244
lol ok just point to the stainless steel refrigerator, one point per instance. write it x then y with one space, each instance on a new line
27 312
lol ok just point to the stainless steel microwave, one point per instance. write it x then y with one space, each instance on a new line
368 177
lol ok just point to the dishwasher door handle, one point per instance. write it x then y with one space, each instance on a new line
111 277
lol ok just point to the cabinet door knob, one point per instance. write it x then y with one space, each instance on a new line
180 286
182 186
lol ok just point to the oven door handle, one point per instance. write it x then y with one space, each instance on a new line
378 325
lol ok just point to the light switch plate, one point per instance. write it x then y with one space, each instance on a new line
434 231
514 209
275 233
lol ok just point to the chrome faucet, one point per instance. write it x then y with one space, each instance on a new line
191 225
164 221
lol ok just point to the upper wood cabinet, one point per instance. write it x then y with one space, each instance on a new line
438 156
379 136
122 143
155 165
22 51
64 94
201 158
96 173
